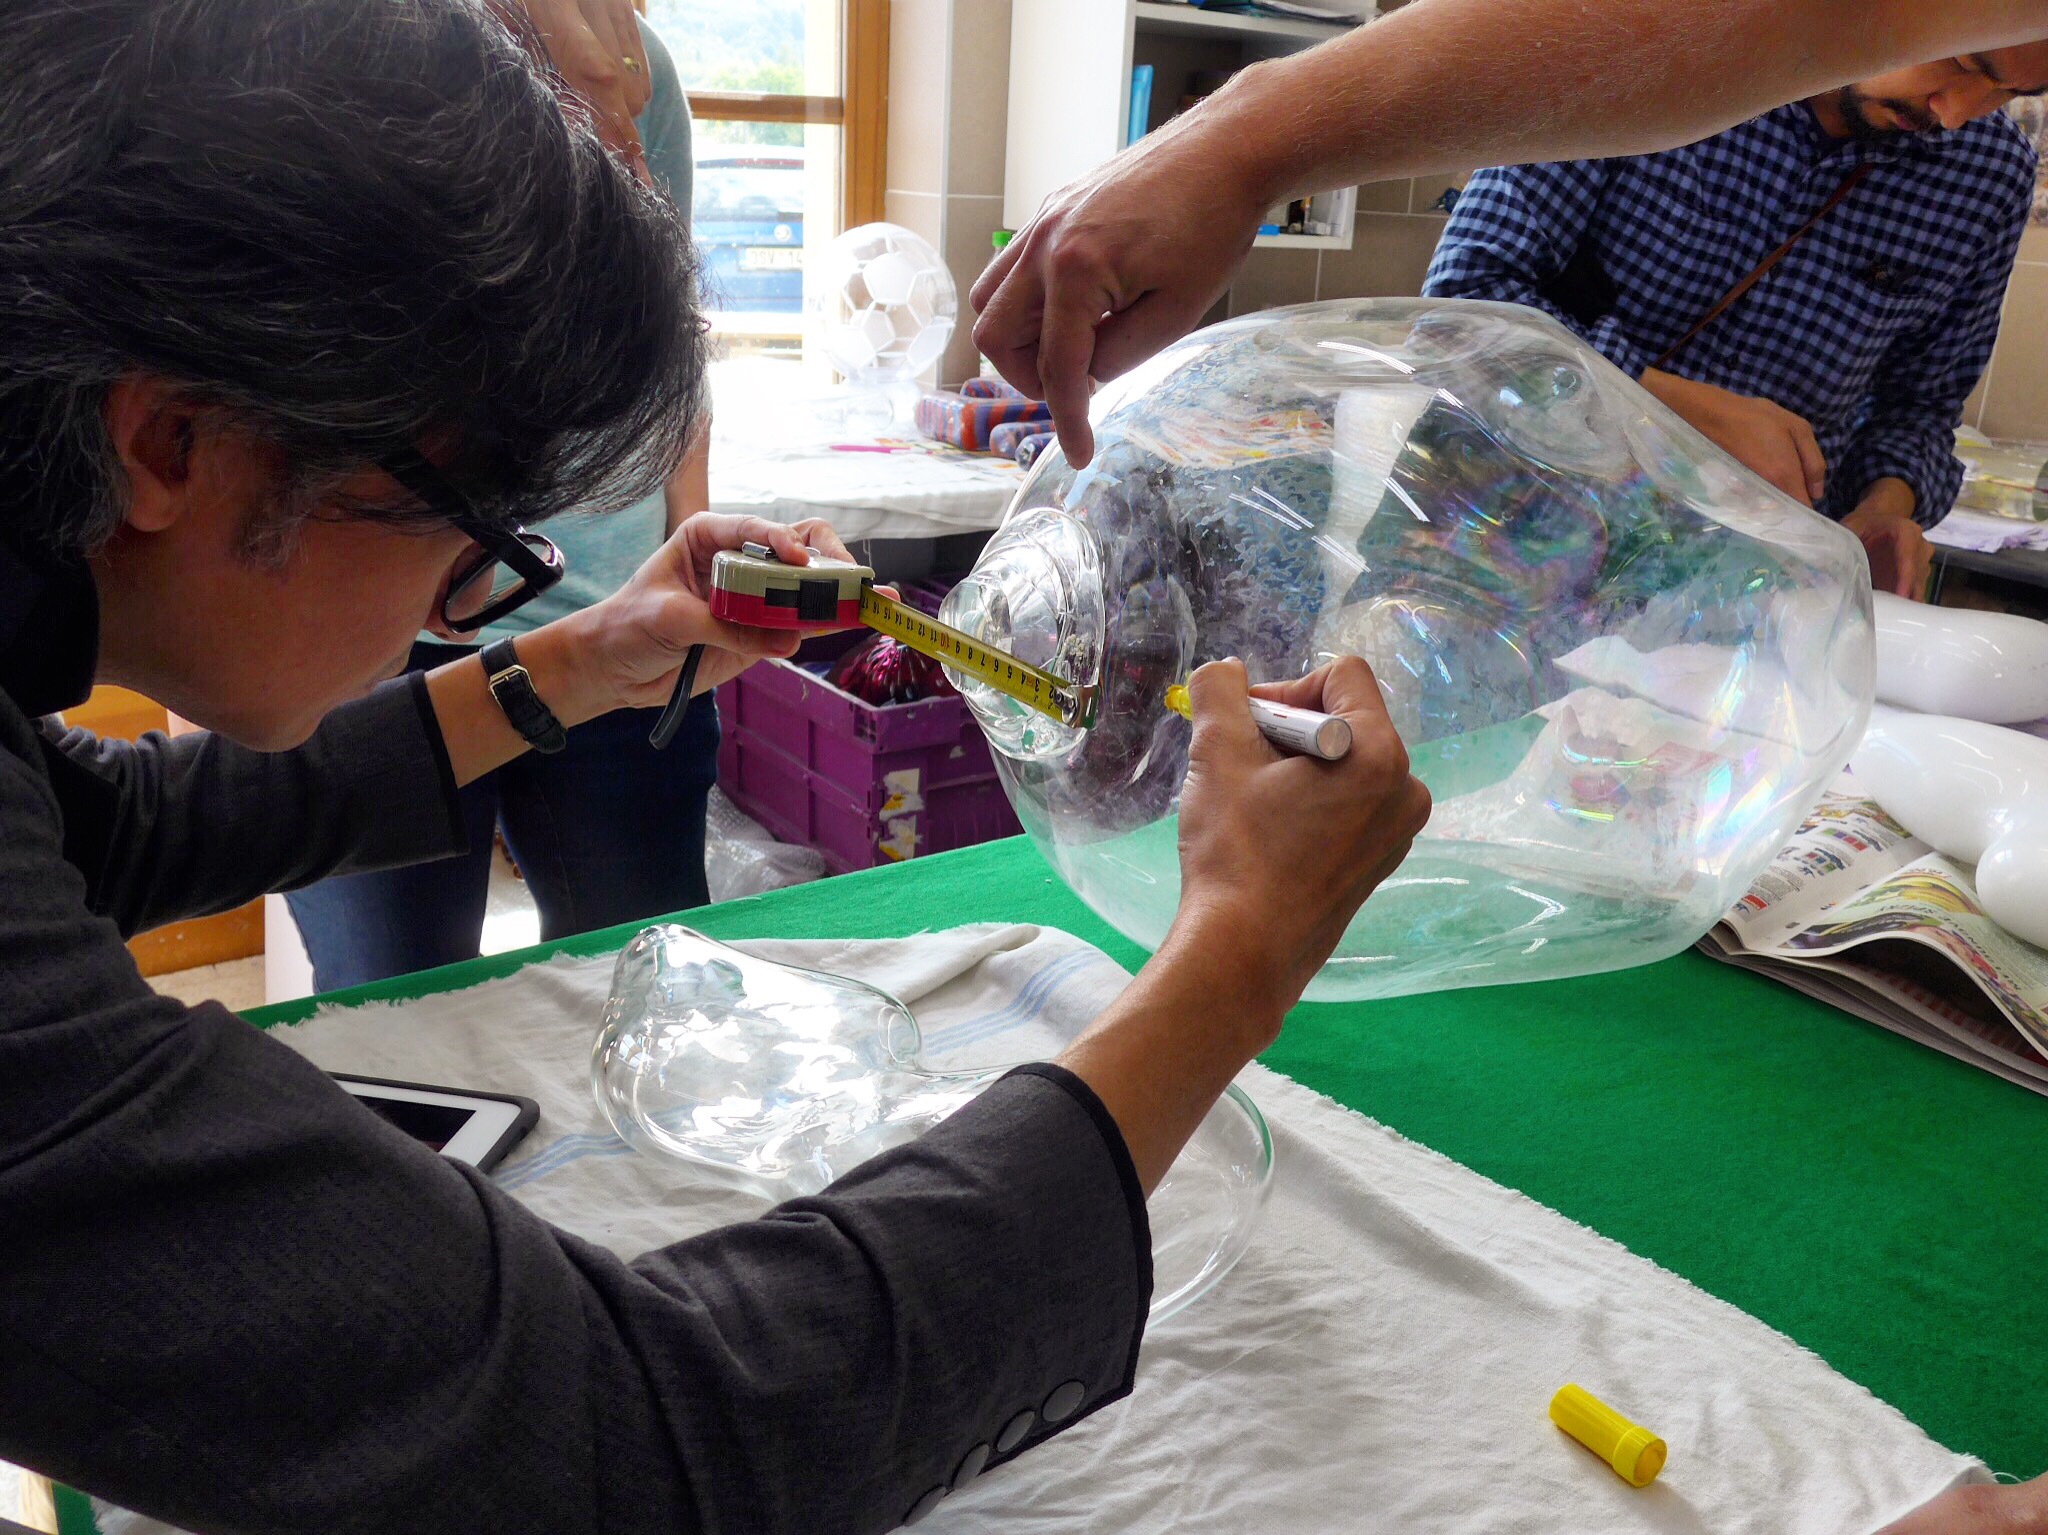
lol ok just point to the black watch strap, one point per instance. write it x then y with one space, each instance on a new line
513 689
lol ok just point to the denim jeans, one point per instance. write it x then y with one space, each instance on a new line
607 830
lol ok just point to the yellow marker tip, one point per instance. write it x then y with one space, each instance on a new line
1178 701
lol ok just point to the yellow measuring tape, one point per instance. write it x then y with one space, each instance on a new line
1016 679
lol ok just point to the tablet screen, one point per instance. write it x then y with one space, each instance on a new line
465 1126
434 1125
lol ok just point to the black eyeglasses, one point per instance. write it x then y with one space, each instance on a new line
507 570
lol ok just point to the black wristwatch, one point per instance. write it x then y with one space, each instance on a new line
513 689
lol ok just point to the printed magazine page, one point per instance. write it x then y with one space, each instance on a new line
1859 914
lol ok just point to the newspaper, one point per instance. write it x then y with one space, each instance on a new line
1858 913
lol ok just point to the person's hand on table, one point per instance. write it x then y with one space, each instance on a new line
1983 1509
1277 854
595 47
1771 440
1900 556
1116 265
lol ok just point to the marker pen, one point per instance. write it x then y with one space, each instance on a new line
1327 736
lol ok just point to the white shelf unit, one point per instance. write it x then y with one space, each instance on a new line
1070 90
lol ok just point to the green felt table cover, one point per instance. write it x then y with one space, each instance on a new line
1880 1203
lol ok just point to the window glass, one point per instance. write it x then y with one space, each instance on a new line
766 194
739 45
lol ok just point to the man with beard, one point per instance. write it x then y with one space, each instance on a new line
1839 373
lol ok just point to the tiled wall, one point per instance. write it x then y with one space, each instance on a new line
949 106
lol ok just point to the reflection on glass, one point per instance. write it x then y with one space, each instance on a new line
761 215
1623 665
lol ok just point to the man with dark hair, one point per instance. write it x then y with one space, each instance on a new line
308 310
1836 368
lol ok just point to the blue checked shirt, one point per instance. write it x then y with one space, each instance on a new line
1875 328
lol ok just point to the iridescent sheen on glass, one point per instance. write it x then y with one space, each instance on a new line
1624 665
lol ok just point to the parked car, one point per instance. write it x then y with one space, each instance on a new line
748 218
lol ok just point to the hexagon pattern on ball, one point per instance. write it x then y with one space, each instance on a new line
885 305
1624 665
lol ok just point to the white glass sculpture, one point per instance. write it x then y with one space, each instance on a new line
1978 793
1978 666
885 306
780 1080
1624 665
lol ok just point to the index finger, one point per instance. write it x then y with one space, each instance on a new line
712 531
994 275
1915 558
1011 312
1066 344
788 544
1218 697
819 534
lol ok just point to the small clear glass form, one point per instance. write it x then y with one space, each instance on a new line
884 306
781 1079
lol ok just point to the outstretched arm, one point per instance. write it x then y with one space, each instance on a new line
1122 262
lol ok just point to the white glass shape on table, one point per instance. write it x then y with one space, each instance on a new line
1979 666
1623 664
781 1079
1978 793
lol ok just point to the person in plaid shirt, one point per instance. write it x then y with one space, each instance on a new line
1840 377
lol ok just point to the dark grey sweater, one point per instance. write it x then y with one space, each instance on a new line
233 1298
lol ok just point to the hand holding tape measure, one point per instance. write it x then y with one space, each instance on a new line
750 586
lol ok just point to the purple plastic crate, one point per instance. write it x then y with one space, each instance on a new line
862 783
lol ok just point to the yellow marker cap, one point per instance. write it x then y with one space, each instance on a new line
1636 1454
1178 701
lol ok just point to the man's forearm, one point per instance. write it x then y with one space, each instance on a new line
1549 80
1193 974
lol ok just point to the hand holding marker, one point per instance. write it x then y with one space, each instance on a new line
753 587
1306 731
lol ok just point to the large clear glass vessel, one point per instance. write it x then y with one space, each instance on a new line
1624 665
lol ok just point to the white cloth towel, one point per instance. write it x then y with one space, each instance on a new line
1986 532
1381 1359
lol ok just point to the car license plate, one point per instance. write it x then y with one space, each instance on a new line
771 258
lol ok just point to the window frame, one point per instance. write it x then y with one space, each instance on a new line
860 111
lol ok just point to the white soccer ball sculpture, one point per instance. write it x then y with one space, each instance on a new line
886 305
